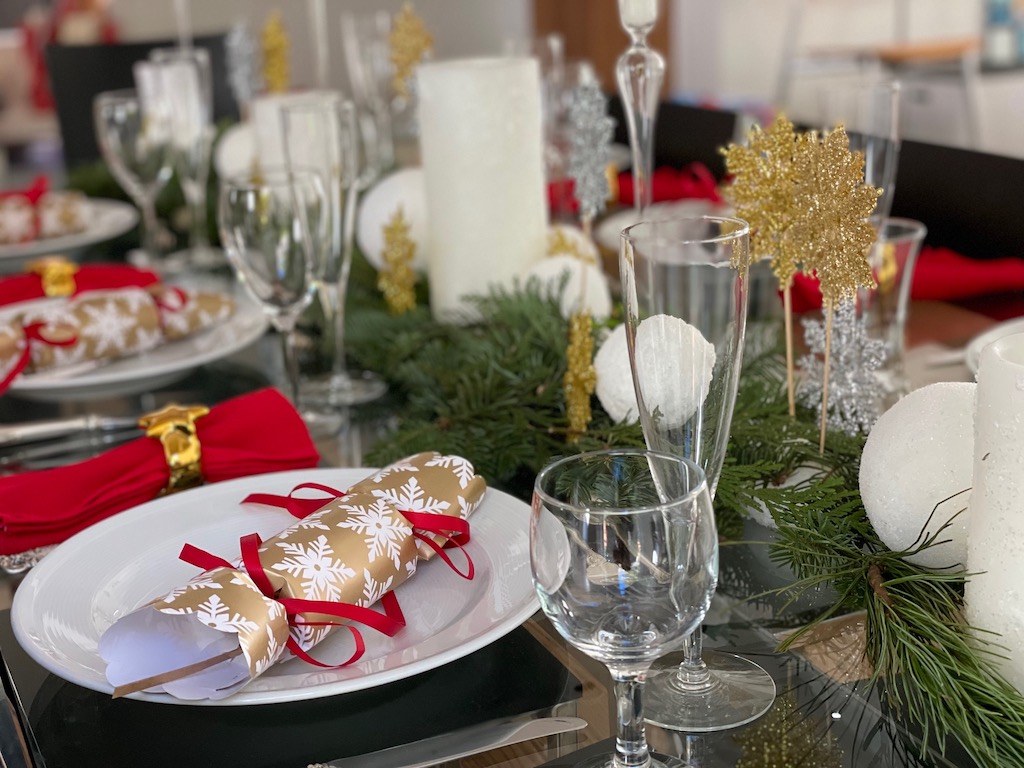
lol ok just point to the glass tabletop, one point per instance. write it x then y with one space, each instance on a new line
820 717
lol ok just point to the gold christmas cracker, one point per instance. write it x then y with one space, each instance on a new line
106 325
351 550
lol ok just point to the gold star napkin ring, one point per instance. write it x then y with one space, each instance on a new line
57 275
175 427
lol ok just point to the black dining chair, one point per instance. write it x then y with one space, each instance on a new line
78 72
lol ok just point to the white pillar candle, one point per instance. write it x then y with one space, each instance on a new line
994 598
482 149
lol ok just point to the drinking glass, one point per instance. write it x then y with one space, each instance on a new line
870 113
367 50
135 140
624 554
685 292
188 87
321 131
270 227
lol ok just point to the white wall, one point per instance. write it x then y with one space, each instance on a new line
460 27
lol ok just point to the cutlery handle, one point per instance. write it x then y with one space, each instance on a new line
27 432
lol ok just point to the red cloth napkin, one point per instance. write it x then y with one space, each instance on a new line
940 275
694 181
248 435
90 277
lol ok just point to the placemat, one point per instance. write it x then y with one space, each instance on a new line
82 728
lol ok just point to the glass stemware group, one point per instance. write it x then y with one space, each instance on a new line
624 553
684 286
134 136
322 132
272 226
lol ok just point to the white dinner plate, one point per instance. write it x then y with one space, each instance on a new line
149 370
77 591
609 229
105 220
978 343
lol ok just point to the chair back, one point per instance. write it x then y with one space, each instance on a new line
79 72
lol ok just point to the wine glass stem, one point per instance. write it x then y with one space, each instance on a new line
291 362
150 225
341 285
693 674
196 194
630 740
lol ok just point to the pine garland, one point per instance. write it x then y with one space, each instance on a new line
493 391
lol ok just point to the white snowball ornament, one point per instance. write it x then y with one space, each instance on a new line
405 189
564 239
677 365
918 453
597 296
615 378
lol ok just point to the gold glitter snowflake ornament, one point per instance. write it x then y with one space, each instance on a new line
410 44
765 172
397 279
580 379
275 46
832 230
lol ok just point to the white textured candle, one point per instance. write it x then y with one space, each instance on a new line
994 598
482 147
638 13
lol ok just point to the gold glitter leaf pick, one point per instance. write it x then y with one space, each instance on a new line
580 378
397 280
832 230
560 243
410 43
276 46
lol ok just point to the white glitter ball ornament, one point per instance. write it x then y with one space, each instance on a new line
615 378
403 189
596 297
677 364
920 452
565 239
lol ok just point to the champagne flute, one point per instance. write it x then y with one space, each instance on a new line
624 554
685 292
367 52
270 227
135 140
322 131
188 89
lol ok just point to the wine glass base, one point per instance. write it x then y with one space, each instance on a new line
338 391
608 761
741 691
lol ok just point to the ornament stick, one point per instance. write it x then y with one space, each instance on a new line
824 382
318 28
182 13
787 309
174 674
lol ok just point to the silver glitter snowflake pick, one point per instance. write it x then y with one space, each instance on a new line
855 391
243 64
590 136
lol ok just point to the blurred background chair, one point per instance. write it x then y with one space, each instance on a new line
79 72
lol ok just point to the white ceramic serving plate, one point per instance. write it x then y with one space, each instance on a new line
978 343
105 219
69 599
149 370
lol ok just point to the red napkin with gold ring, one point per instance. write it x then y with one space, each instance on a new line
251 434
56 276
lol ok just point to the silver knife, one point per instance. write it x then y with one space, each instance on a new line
30 431
461 743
